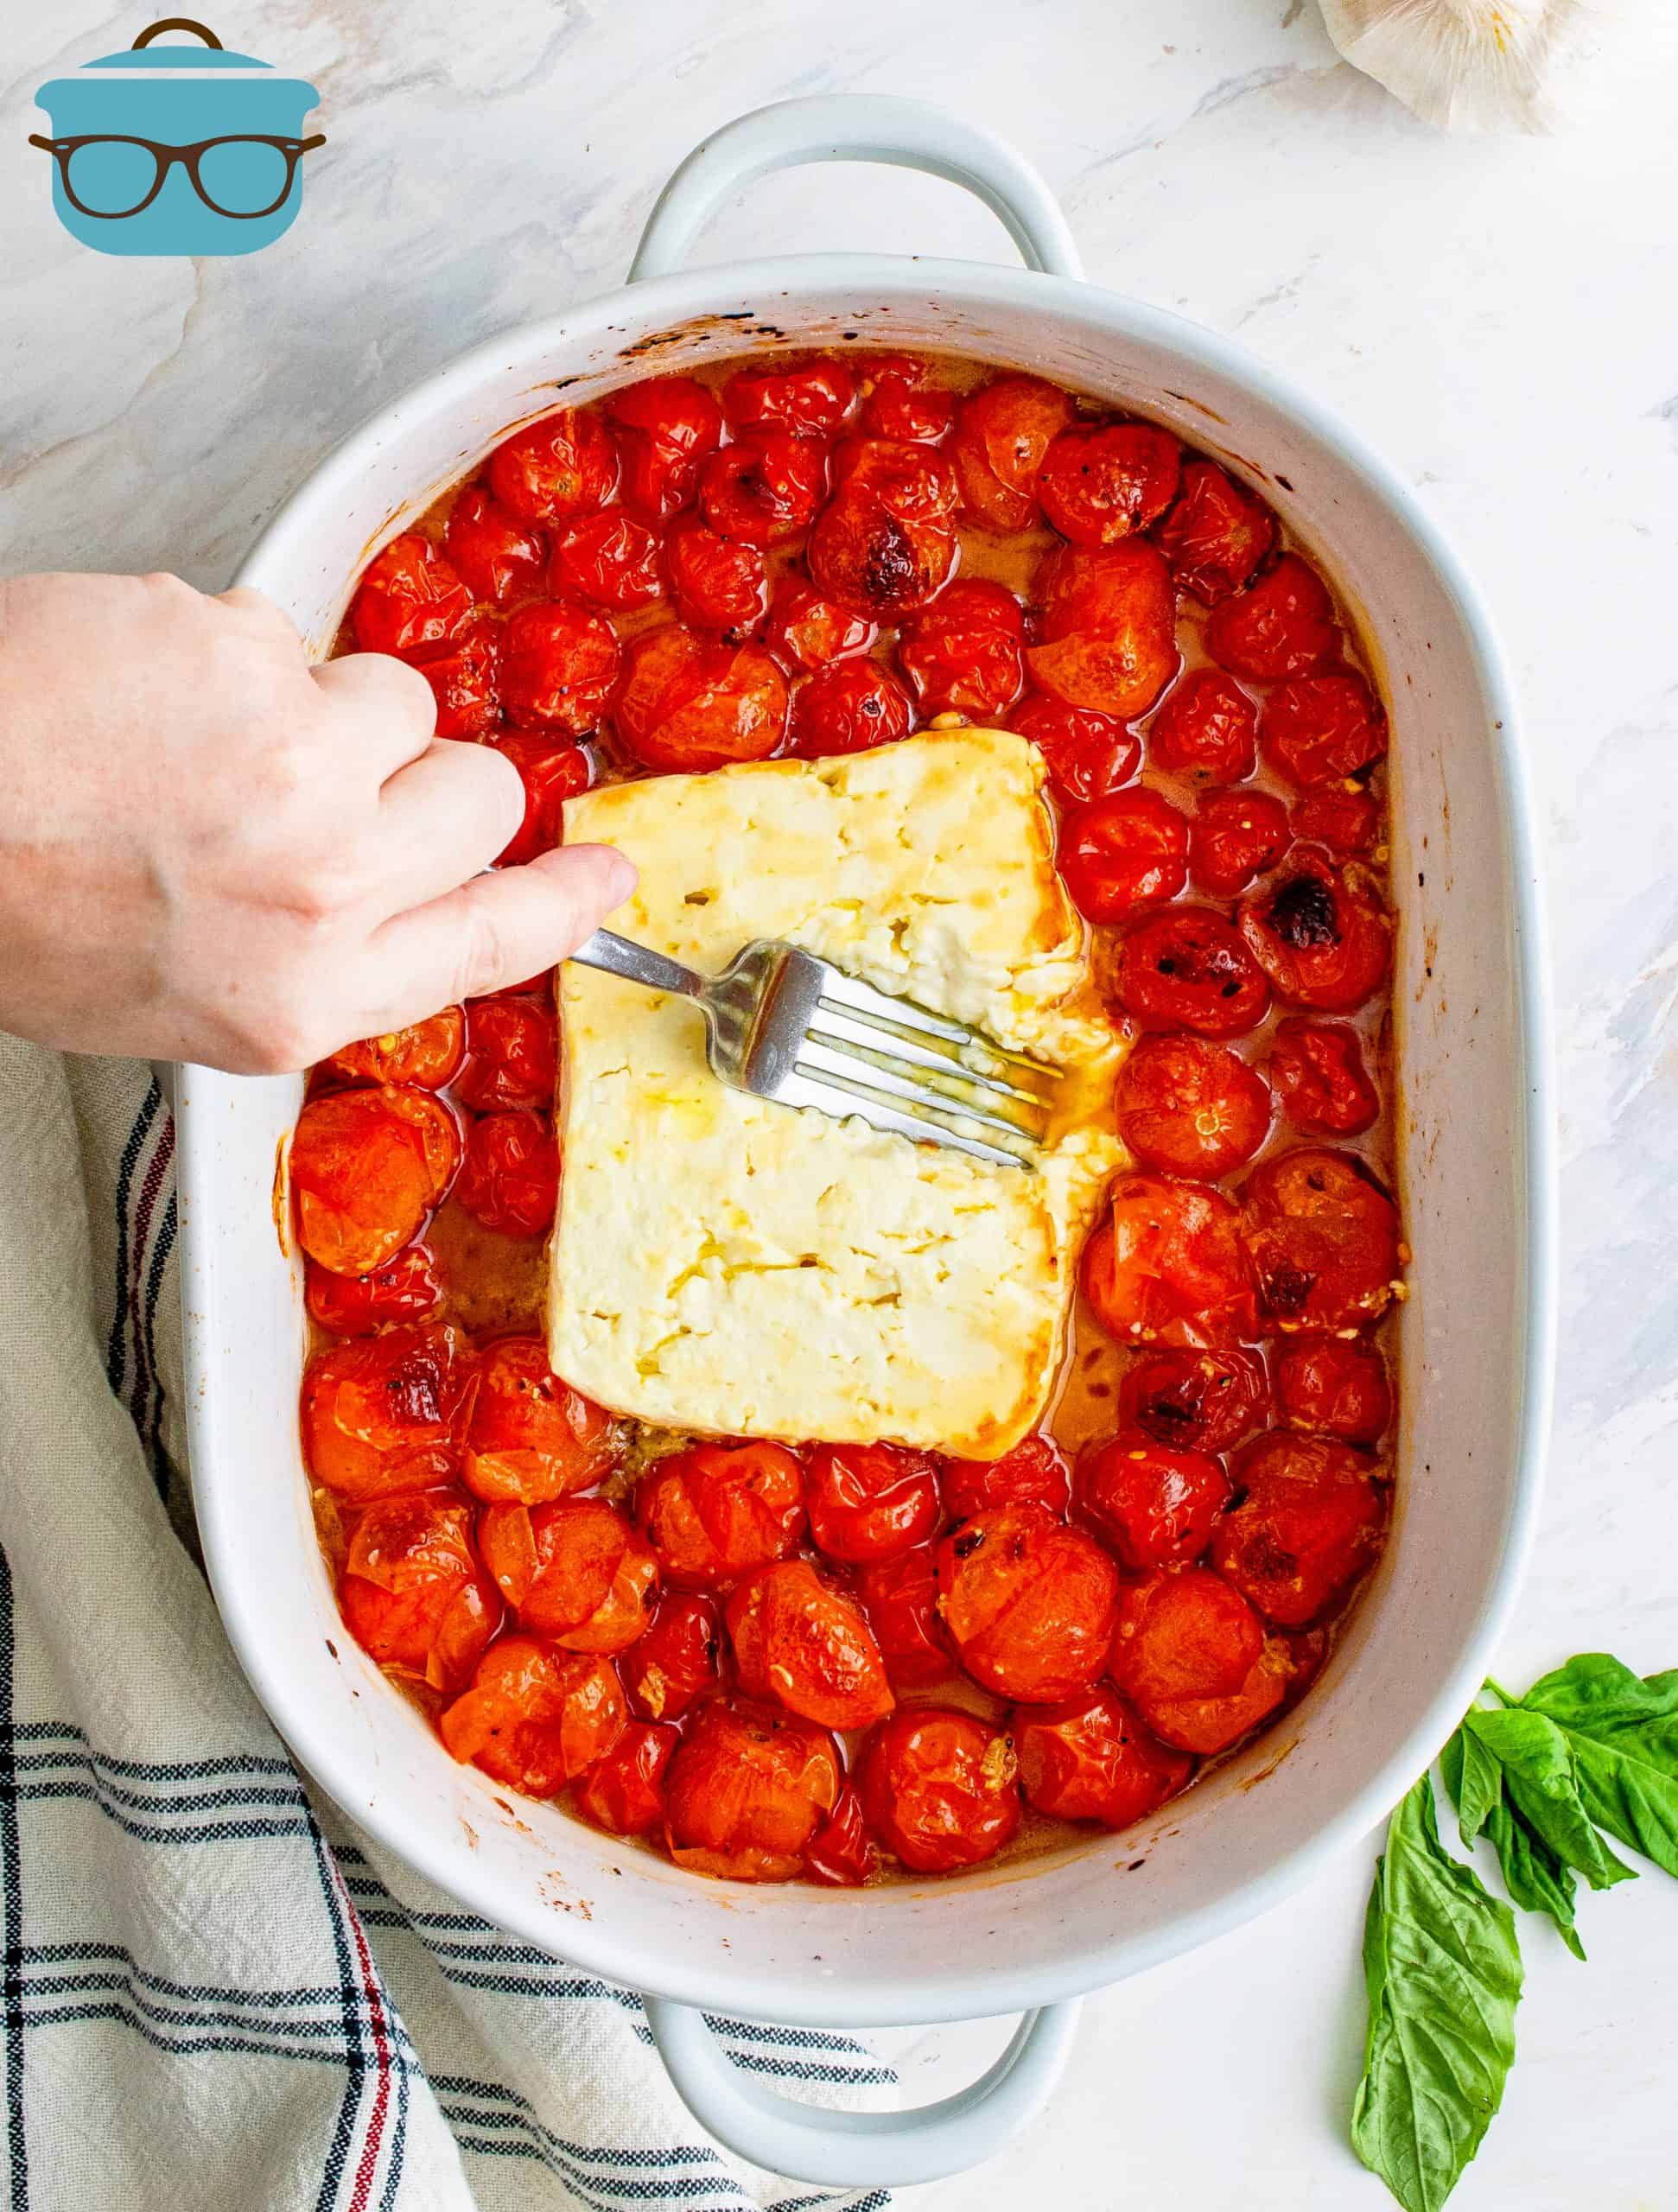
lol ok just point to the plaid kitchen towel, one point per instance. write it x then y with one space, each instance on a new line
216 1994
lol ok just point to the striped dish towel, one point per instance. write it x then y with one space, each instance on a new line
216 1994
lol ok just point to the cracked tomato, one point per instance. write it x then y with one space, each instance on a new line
713 1512
939 1788
366 1169
1028 1601
748 1790
800 1643
413 1592
1322 1236
1090 1758
536 1718
1167 1265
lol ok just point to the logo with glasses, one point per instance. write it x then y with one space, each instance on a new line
177 149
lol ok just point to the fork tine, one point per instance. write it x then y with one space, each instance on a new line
843 1099
869 1038
838 988
845 1069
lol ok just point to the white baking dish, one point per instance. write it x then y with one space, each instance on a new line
1475 1172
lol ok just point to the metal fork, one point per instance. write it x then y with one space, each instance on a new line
783 1025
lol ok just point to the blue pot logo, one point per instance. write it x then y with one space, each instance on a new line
177 149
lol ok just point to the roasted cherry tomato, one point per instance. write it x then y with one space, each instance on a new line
532 1437
1215 535
403 1289
410 600
509 1177
1189 969
939 1788
426 1053
1167 1265
1183 1633
1234 836
624 1791
1207 728
901 400
1196 1401
1002 432
869 1501
465 677
1319 932
806 630
798 1643
664 427
384 1413
962 654
809 397
840 1854
511 1055
718 582
1099 484
535 1718
1322 729
1120 854
1311 1521
552 471
850 708
748 1790
1317 1070
679 1657
692 702
765 489
550 774
1088 755
1153 1504
576 1570
1207 1724
606 560
713 1512
497 557
884 545
900 1596
1091 1759
1107 629
1322 1235
1032 1473
1282 626
1028 1601
1344 817
1333 1386
559 667
367 1168
1191 1107
413 1594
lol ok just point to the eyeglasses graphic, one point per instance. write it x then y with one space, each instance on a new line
244 177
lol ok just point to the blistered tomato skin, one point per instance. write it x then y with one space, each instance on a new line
1167 1265
1118 855
808 632
1002 433
576 1570
679 1658
690 702
1207 727
405 1288
963 655
511 1055
1206 1726
623 1792
608 560
800 1643
885 544
1032 1473
1282 626
939 1788
1183 1633
1318 1073
413 1594
1235 836
900 1596
367 1168
384 1413
509 1178
811 399
1309 1522
869 1501
1191 1106
1321 730
1319 935
1215 535
902 401
1091 1759
465 677
1098 484
718 583
497 557
1190 969
851 707
536 1718
748 1790
840 1854
1151 1503
1322 1236
1088 755
1107 628
1028 1601
555 469
410 601
559 668
1343 816
531 1437
426 1053
713 1512
1329 1386
664 427
551 771
1196 1400
764 489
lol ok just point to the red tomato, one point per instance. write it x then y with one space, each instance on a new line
413 1594
869 1501
1333 1386
606 560
939 1788
1183 1633
850 708
1032 1473
1236 836
664 428
1321 730
465 677
532 1437
808 632
559 667
1087 756
383 1413
1100 484
1309 1522
1108 636
765 489
1002 432
1028 1601
1345 817
624 1791
879 563
1197 1400
1167 1265
902 401
1208 1724
1189 969
426 1052
1207 728
692 703
841 1854
552 471
910 482
1322 1235
497 557
511 1055
798 1643
1191 1107
509 1177
1317 1070
713 1512
962 653
1281 626
1091 1759
1319 932
749 1788
574 1570
1215 535
1151 1503
1121 854
409 599
718 582
550 774
811 397
900 1596
535 1718
366 1169
679 1657
404 1289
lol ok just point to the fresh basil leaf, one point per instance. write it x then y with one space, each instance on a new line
1624 1733
1542 1785
1474 1779
1442 1966
1532 1875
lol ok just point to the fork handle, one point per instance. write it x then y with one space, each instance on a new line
619 957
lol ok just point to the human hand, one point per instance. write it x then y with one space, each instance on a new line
212 851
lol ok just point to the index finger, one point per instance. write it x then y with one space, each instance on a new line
386 710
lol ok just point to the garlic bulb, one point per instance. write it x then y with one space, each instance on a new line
1497 64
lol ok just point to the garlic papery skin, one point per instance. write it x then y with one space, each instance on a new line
1498 65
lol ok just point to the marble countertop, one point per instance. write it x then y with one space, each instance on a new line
1499 319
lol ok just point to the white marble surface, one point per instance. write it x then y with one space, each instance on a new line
1500 319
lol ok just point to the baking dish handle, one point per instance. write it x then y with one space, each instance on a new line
863 2150
857 127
